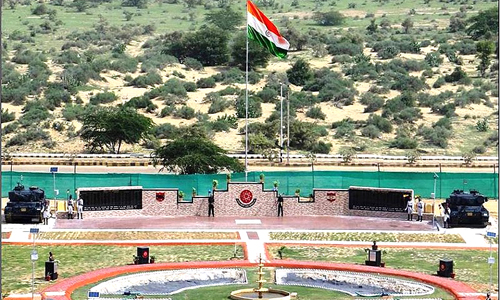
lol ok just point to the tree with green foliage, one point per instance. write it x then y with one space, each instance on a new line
372 28
194 155
108 128
407 24
300 72
135 3
456 24
209 45
330 18
484 51
226 19
296 39
258 56
484 24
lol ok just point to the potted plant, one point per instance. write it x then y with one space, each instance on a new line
193 192
297 192
215 183
261 177
181 195
276 183
228 177
152 259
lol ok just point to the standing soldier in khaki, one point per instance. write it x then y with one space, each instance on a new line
80 208
70 207
409 208
420 209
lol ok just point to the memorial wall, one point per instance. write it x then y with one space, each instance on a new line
243 199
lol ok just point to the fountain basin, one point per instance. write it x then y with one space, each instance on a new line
245 294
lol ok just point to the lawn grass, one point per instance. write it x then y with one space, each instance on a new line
470 266
75 260
222 292
136 235
367 237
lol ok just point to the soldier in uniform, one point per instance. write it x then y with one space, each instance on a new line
420 209
80 208
211 201
409 208
70 207
280 205
46 214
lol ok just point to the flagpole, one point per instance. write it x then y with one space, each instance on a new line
288 127
246 104
281 122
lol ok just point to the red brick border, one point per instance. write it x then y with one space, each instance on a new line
69 285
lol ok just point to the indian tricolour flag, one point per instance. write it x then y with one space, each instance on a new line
262 30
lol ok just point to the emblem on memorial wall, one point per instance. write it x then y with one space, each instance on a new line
160 196
331 196
246 199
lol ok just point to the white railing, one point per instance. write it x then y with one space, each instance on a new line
492 159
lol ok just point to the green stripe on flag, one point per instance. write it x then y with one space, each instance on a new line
264 42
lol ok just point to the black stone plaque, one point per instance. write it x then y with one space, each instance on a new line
378 199
111 200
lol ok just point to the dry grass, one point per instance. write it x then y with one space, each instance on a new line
137 235
368 237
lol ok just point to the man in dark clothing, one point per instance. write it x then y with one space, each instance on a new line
280 205
211 205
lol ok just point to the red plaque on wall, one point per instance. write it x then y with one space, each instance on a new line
246 199
331 196
160 196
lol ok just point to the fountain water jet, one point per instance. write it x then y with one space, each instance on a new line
260 292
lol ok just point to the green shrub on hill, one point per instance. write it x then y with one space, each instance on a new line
141 102
254 107
149 79
331 87
458 75
372 101
68 57
344 128
192 64
370 131
300 72
315 113
34 112
166 131
7 116
184 112
55 94
380 122
73 112
10 128
103 98
124 64
30 135
207 82
321 147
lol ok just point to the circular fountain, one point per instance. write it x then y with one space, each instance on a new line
260 292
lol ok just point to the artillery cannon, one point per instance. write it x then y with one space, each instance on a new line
25 205
467 209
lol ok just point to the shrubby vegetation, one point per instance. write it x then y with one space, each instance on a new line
87 58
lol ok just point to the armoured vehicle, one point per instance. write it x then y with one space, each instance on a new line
25 205
466 209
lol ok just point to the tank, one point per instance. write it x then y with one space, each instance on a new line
466 209
25 205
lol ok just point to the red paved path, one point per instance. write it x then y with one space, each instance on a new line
275 223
